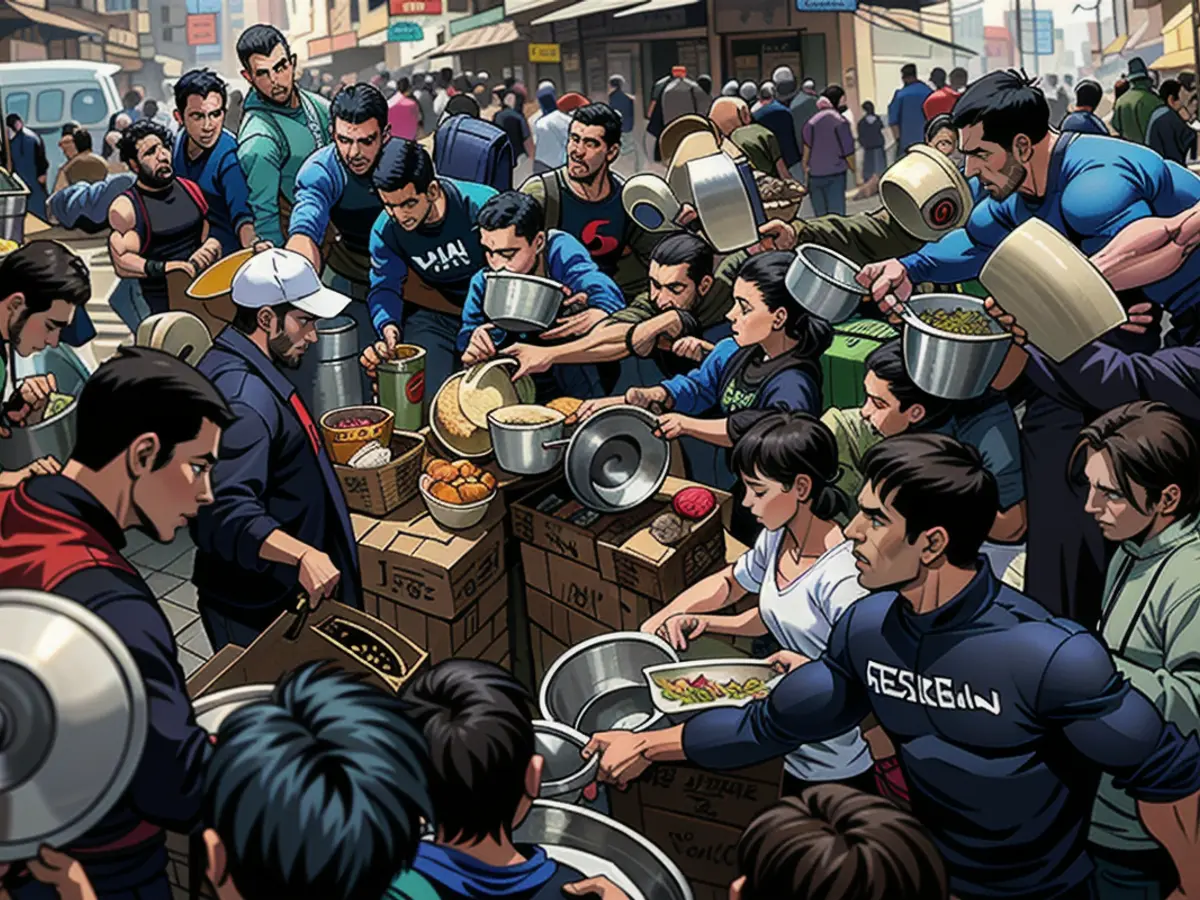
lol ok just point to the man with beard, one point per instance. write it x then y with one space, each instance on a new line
1003 716
278 530
159 225
206 154
1090 188
149 428
281 127
583 198
334 187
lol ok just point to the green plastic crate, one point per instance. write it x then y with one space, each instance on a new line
843 364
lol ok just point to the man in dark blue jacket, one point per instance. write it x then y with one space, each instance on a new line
279 525
149 428
1003 716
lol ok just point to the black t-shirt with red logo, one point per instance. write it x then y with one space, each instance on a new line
598 226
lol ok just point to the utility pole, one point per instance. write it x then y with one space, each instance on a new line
1020 46
1037 60
1196 38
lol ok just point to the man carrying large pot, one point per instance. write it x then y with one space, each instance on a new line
1090 188
278 527
44 287
149 431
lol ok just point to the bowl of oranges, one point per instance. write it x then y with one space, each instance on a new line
457 494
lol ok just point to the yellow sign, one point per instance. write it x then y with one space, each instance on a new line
545 53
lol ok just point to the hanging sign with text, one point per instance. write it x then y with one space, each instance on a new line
405 32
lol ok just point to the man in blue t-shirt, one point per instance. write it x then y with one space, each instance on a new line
1002 715
207 154
427 229
906 112
510 229
334 187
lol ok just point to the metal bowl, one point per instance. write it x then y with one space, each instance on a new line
523 448
521 303
951 366
565 773
50 437
212 709
615 461
597 845
608 663
822 282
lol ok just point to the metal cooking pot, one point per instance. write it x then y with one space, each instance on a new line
724 203
337 382
73 721
565 772
212 709
603 674
951 366
597 845
822 282
521 303
615 461
50 437
527 449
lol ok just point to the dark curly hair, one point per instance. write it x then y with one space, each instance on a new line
135 133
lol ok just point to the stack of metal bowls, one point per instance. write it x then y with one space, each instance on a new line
599 686
565 772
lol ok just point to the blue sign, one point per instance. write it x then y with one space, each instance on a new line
405 31
203 7
827 5
1043 32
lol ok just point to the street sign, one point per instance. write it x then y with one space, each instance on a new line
827 5
202 30
545 53
404 32
414 7
1043 32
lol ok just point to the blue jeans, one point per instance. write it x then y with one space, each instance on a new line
1132 876
438 334
127 302
828 193
874 162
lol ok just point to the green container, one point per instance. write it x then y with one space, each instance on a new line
402 386
844 363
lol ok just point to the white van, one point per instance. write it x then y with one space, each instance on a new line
49 93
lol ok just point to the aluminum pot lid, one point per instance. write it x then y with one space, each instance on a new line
73 721
615 461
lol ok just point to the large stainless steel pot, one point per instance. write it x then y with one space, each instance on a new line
521 303
73 721
596 845
951 366
212 709
51 437
822 281
565 773
337 381
615 461
522 449
598 685
14 200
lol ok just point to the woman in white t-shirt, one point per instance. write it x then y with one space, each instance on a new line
802 569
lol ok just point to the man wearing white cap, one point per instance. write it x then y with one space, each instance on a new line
278 525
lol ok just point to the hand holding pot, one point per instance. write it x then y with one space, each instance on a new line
531 360
63 873
599 887
380 351
480 349
655 399
622 756
888 283
776 235
575 325
590 407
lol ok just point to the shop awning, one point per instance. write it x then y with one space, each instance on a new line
488 36
653 6
172 67
1176 59
1117 45
378 39
584 8
45 17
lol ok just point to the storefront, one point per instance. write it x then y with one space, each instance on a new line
758 36
1179 45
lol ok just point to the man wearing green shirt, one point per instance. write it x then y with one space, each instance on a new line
281 126
1142 465
731 115
1133 109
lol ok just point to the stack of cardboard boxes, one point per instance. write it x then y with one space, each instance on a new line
588 573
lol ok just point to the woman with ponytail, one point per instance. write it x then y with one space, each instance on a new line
802 569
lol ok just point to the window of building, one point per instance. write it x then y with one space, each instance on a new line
50 106
87 106
458 6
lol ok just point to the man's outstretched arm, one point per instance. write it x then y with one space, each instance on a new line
1149 249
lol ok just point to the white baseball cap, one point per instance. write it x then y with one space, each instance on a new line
283 276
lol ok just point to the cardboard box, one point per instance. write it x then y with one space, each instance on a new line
412 560
577 587
620 546
733 798
479 625
704 851
378 492
545 649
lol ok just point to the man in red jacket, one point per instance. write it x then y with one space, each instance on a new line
942 100
149 428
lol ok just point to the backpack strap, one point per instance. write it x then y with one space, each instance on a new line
553 205
197 195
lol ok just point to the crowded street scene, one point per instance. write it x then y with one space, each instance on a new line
737 461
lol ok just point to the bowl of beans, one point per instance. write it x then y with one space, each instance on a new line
952 348
350 428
